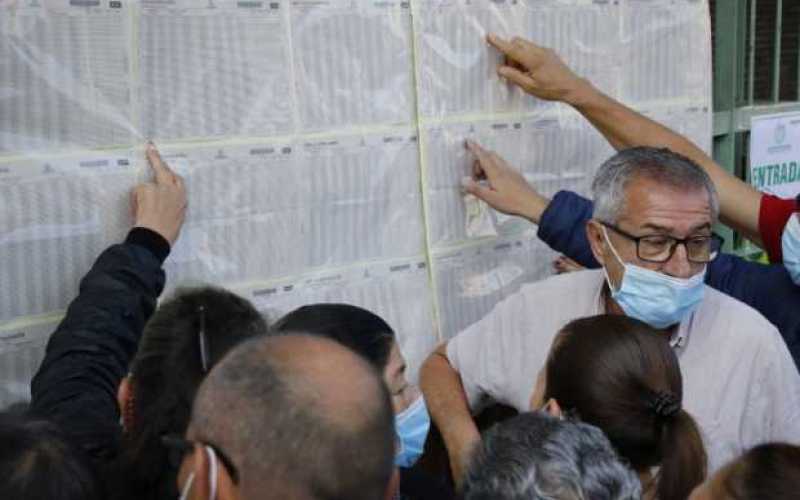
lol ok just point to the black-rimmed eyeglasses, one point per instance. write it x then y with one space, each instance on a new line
659 248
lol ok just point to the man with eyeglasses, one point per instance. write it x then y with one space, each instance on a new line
770 289
652 233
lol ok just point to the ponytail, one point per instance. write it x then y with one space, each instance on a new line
622 376
683 463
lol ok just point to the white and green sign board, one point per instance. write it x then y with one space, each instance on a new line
775 154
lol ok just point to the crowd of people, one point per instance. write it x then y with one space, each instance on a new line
659 367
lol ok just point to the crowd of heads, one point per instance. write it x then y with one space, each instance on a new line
303 410
319 406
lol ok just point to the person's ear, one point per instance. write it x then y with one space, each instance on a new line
553 408
126 402
195 468
597 241
393 488
226 488
198 465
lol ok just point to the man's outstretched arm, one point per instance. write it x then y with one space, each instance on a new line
449 409
540 72
561 221
89 353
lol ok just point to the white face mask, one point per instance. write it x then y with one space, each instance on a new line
212 477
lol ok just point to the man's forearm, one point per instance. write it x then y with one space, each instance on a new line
536 204
449 409
625 128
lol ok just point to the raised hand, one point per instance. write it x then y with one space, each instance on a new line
504 189
160 205
537 70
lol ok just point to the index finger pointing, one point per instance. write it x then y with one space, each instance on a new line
498 43
162 171
483 156
519 50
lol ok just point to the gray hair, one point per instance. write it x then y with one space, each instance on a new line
534 456
660 165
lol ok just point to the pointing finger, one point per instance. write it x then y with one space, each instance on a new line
161 170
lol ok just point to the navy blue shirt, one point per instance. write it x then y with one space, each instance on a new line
766 288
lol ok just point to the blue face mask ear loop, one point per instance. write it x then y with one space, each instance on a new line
213 471
187 487
616 256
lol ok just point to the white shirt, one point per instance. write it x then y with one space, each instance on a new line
740 383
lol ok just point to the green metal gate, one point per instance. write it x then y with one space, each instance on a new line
756 46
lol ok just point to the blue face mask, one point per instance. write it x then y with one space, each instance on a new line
655 298
412 430
790 245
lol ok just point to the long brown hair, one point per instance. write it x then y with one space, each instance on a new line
621 375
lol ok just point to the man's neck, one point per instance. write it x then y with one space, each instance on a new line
610 305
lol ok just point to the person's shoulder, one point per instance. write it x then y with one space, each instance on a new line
735 317
568 282
553 300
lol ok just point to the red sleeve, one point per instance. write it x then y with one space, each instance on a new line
772 217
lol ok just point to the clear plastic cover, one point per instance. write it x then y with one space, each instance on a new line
457 69
22 346
398 291
213 71
322 142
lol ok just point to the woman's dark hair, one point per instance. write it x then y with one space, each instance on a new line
766 471
621 375
37 461
362 331
185 338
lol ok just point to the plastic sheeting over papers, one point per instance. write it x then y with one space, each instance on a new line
321 141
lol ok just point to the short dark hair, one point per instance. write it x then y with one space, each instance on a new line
621 375
767 471
534 456
273 415
37 461
165 375
363 331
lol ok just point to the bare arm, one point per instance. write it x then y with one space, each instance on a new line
540 72
625 128
449 409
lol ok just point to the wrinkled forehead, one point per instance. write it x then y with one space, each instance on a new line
663 206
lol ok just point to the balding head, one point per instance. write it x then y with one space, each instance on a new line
300 417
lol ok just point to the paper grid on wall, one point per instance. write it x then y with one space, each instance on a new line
321 141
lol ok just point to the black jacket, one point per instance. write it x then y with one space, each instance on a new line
90 351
